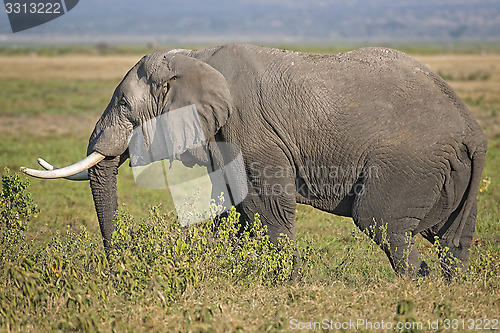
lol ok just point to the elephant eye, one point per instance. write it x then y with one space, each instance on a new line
123 102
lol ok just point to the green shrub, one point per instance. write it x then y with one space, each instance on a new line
159 272
159 252
147 259
16 204
70 282
16 210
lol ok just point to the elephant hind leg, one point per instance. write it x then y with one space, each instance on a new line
453 259
391 208
399 246
405 258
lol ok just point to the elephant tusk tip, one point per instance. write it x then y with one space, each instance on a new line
44 164
30 172
25 170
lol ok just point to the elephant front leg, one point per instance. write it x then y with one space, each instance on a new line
273 198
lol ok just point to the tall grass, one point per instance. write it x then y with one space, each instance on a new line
69 283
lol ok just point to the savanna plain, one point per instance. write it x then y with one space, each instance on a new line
56 277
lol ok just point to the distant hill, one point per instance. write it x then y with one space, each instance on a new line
272 20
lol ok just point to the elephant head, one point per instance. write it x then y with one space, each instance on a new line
159 83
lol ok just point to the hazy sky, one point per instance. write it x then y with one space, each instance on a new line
287 20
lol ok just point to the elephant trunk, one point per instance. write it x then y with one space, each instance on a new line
103 185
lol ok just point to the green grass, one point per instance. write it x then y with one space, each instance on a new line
53 97
120 49
60 50
55 276
65 203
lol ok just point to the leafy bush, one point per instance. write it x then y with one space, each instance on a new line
148 259
155 260
159 253
16 210
161 272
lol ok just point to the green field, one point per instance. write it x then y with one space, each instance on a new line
55 277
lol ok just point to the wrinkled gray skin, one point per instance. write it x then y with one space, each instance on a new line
370 134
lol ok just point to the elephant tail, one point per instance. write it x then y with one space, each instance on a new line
470 196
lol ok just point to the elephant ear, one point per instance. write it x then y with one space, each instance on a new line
182 81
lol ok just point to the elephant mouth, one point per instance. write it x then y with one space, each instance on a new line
76 171
188 159
195 156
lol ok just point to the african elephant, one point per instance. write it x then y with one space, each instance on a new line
370 134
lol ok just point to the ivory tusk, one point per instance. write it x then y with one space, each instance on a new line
83 175
44 164
67 171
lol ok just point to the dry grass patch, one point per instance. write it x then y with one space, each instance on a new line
70 67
